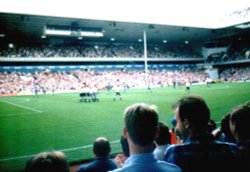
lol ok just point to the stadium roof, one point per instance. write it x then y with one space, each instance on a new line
192 13
178 20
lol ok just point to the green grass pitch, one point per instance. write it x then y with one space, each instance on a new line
30 124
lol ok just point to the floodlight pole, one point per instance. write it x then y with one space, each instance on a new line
145 57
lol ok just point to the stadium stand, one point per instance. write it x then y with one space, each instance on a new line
58 65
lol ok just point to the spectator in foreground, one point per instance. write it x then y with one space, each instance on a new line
211 126
162 141
224 133
239 125
140 129
199 150
102 163
54 161
121 158
175 136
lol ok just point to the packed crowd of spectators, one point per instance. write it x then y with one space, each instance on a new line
57 81
46 81
235 74
236 52
100 50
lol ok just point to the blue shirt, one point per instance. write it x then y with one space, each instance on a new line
98 165
159 152
146 162
195 155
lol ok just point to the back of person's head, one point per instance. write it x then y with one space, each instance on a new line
54 161
124 145
195 110
141 122
101 147
225 129
164 136
211 126
240 119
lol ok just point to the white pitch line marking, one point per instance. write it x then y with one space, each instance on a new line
35 110
17 114
83 147
63 150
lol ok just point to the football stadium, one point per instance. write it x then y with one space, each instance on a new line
67 78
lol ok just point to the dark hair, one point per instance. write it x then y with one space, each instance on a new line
141 122
211 126
225 129
101 147
124 145
164 136
195 110
240 117
48 162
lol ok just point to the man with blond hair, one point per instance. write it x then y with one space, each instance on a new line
141 127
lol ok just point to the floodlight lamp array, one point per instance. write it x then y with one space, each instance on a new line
76 32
